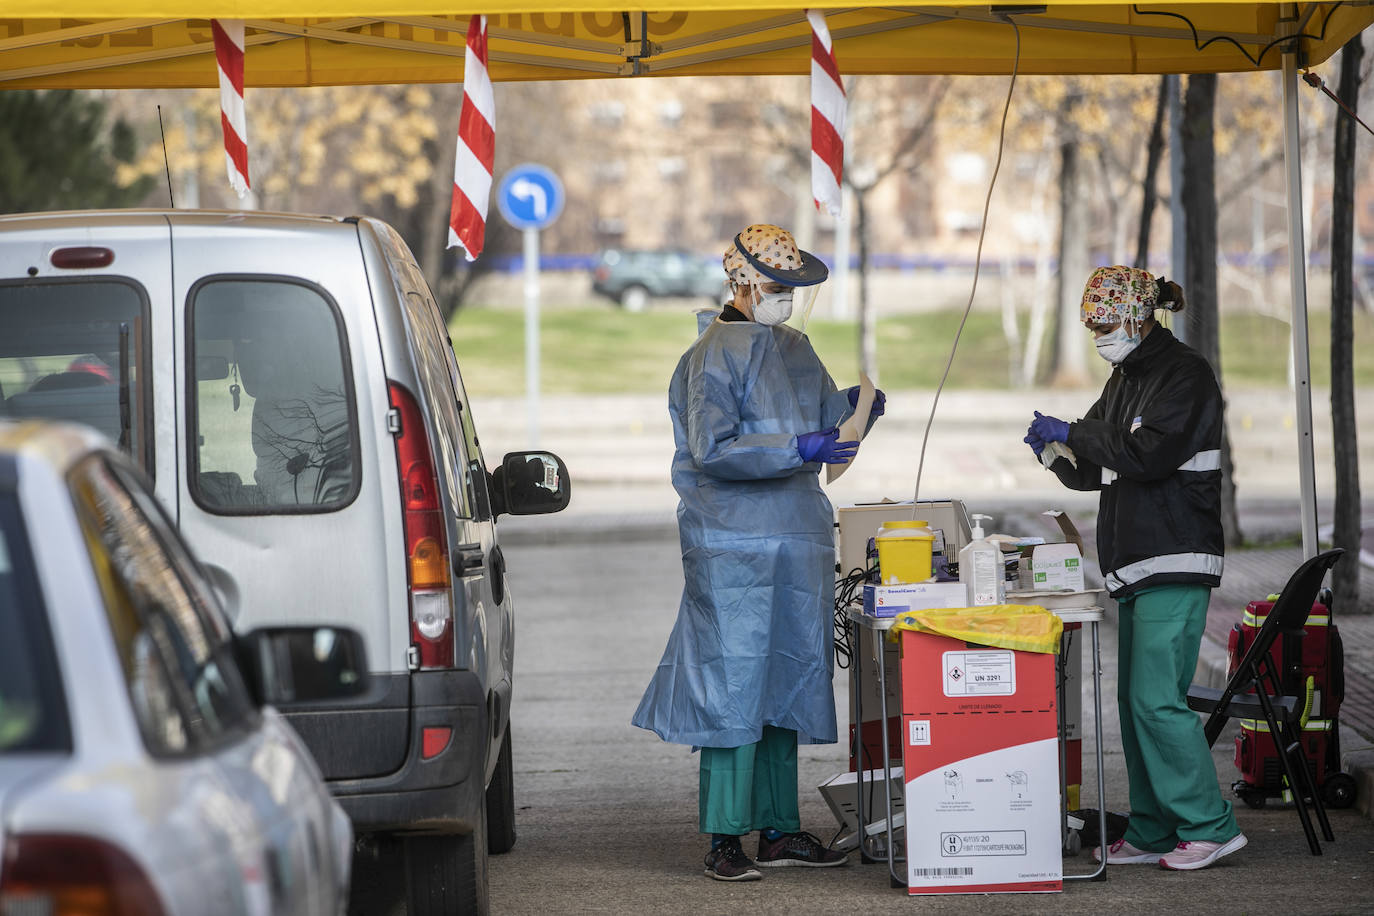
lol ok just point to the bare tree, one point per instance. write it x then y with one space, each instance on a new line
1069 365
901 156
1148 193
893 141
1202 319
1346 576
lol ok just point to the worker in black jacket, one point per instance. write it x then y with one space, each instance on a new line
1152 446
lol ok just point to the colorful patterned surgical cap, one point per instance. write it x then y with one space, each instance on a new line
772 245
1119 294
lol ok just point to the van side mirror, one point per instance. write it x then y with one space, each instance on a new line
302 664
530 483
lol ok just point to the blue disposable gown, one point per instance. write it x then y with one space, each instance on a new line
752 645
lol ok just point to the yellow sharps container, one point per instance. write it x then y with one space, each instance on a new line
904 551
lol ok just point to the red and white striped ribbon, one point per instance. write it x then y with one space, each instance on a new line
828 104
229 56
467 221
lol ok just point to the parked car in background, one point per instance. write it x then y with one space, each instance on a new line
140 770
290 386
633 277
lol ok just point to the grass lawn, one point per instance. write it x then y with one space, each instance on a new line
601 350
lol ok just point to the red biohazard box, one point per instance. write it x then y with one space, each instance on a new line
981 763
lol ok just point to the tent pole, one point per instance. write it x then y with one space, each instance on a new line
1297 269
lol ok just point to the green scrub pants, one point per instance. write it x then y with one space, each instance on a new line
753 787
1174 791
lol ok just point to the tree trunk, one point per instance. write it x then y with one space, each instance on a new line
1041 286
1203 318
435 202
868 338
1345 577
1011 330
1154 153
1070 364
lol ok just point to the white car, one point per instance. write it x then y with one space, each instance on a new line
288 384
141 771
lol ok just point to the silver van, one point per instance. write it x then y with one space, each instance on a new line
288 384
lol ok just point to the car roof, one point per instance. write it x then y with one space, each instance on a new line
131 217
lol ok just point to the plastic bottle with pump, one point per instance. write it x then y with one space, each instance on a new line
981 569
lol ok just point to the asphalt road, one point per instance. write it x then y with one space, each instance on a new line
607 813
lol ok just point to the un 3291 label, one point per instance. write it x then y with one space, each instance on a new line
980 673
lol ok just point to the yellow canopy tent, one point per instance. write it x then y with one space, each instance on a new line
121 44
167 44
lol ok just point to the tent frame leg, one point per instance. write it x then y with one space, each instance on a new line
1297 269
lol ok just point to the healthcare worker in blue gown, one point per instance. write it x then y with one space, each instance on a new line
746 674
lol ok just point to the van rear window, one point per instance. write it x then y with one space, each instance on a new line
271 400
60 356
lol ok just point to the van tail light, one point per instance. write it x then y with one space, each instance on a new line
73 876
427 573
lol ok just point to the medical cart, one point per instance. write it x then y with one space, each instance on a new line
877 628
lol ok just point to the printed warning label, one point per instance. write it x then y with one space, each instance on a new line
980 673
919 732
983 843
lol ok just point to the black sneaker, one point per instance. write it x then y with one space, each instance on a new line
727 862
797 849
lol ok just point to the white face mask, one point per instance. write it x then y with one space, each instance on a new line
773 308
1116 346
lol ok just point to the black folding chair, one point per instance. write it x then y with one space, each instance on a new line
1258 672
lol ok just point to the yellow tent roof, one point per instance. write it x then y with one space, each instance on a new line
154 43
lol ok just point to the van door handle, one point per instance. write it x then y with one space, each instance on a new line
468 559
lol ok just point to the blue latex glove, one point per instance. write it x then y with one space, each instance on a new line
824 446
1049 429
1035 442
879 401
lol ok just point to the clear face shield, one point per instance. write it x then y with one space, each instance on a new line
779 280
803 301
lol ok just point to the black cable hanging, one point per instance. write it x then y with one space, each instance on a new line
1253 59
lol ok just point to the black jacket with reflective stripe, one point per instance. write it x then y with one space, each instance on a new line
1152 445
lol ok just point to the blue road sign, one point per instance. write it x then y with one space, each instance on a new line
530 197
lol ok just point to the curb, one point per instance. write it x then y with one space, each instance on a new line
1359 762
623 528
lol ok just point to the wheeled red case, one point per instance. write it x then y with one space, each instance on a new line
1316 655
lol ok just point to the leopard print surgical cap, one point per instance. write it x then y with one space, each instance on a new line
772 245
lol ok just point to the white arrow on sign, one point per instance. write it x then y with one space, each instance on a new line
524 189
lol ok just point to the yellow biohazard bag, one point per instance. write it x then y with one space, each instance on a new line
1029 628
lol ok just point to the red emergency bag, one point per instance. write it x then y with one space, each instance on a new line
1313 662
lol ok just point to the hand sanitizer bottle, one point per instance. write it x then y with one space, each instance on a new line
981 569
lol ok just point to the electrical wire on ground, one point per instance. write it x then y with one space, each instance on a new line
977 263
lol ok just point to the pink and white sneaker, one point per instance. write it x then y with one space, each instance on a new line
1193 854
1123 853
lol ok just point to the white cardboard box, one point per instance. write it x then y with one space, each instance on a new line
891 600
1057 566
981 760
1053 567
